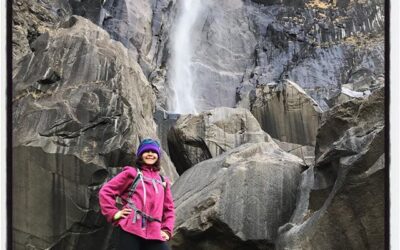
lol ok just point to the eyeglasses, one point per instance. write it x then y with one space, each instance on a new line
149 141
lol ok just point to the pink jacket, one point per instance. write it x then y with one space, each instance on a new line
159 203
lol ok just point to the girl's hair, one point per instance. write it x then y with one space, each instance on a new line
139 163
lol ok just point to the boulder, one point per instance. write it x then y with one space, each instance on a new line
341 203
286 112
81 105
195 138
348 119
306 153
236 200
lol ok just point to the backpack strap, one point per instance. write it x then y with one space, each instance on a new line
132 189
163 182
134 185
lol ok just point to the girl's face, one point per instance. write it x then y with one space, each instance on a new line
149 157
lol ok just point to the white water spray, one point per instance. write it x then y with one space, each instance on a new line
181 59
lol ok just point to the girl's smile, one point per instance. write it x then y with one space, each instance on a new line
149 157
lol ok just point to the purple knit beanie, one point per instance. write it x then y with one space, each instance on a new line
149 145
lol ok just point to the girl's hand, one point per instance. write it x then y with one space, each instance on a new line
122 213
164 235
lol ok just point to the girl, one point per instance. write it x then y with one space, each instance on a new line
147 217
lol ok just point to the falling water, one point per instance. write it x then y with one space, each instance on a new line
181 59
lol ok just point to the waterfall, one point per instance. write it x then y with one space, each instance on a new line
180 74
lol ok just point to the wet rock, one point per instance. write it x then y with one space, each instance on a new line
223 47
236 200
195 138
286 112
345 198
96 107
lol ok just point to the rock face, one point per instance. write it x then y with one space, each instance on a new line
196 138
321 45
165 121
81 104
342 204
286 112
33 18
142 27
236 200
